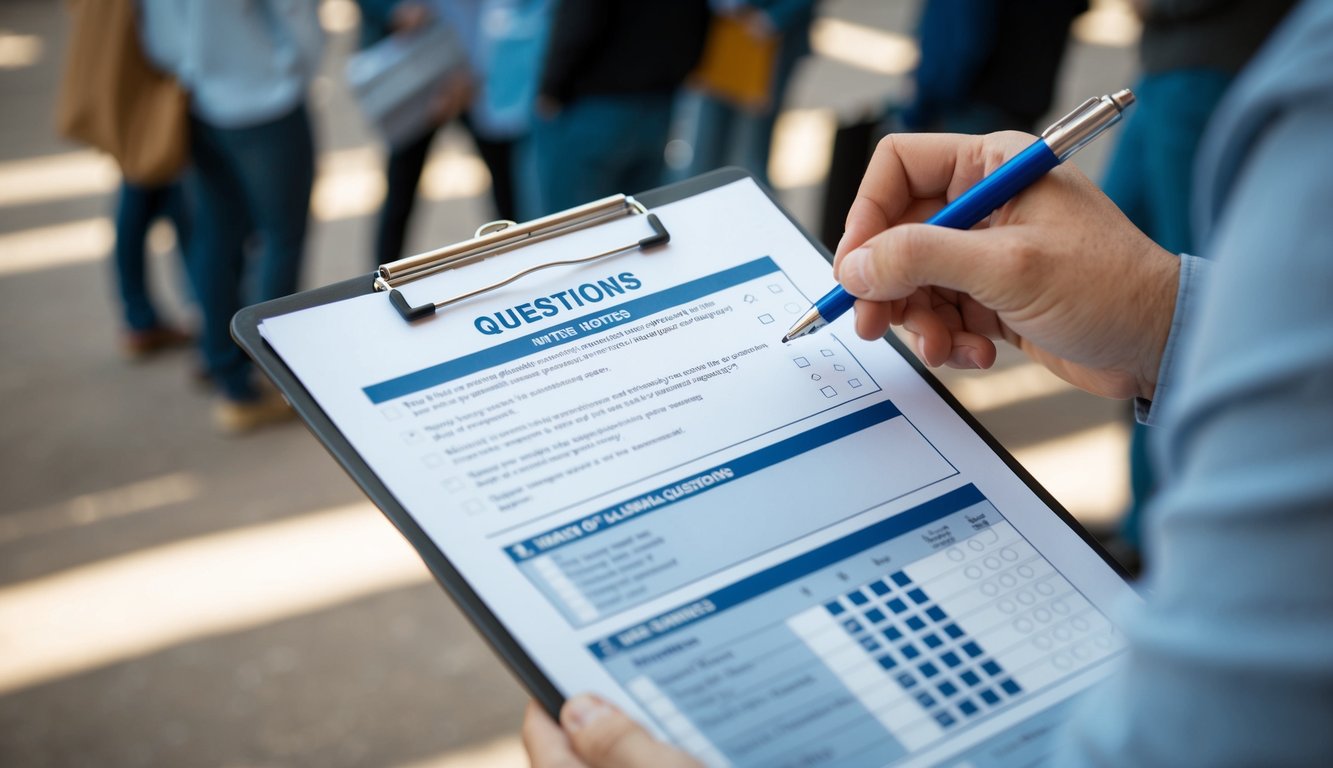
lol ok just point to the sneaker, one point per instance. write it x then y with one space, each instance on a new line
239 417
138 345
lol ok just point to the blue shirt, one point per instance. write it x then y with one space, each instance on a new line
1230 656
244 62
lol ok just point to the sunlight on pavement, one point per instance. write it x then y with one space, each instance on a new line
18 51
1087 471
1111 23
57 177
992 390
802 147
501 753
133 605
143 496
350 184
59 245
864 47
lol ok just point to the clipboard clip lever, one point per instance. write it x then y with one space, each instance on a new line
499 237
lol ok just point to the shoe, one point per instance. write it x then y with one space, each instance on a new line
239 417
138 345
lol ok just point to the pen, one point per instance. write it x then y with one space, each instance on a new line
1066 136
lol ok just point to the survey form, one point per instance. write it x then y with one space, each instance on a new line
772 554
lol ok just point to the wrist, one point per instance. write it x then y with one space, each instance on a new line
1163 310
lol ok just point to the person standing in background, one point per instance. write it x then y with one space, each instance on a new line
721 132
604 103
137 207
1190 52
247 67
381 18
988 65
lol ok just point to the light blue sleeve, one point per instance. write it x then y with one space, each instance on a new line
1231 655
1193 278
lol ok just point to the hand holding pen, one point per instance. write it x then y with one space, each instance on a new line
1058 272
1056 144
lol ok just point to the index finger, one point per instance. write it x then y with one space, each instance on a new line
908 167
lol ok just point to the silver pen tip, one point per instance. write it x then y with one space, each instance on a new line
1122 99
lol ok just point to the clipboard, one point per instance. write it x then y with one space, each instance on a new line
245 330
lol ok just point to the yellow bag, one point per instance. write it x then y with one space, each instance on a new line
113 99
736 66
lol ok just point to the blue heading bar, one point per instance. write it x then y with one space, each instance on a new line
576 329
784 573
698 483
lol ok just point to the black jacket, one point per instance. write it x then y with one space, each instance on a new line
609 47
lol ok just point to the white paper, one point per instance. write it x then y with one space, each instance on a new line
665 504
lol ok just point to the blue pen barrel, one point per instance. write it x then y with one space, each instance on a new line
971 207
998 188
834 303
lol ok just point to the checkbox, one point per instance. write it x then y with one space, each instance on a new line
801 362
766 319
828 391
413 437
473 507
815 377
432 460
839 367
391 412
774 288
826 352
792 308
854 383
453 484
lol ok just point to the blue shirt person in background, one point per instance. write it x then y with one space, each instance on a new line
1230 654
247 67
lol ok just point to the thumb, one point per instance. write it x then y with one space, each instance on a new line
604 737
898 261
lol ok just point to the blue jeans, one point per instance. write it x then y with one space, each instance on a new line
599 146
136 210
1150 177
720 133
246 182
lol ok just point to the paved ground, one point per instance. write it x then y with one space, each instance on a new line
170 597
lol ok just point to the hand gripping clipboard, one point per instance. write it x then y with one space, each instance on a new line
491 240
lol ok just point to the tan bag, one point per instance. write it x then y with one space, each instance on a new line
735 66
113 99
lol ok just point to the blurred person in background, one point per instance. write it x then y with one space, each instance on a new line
987 65
984 66
381 18
1231 353
138 206
247 67
719 130
610 76
1190 51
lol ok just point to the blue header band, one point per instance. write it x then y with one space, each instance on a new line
785 573
570 331
700 482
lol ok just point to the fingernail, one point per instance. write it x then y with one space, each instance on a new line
581 711
841 242
921 346
852 274
975 358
